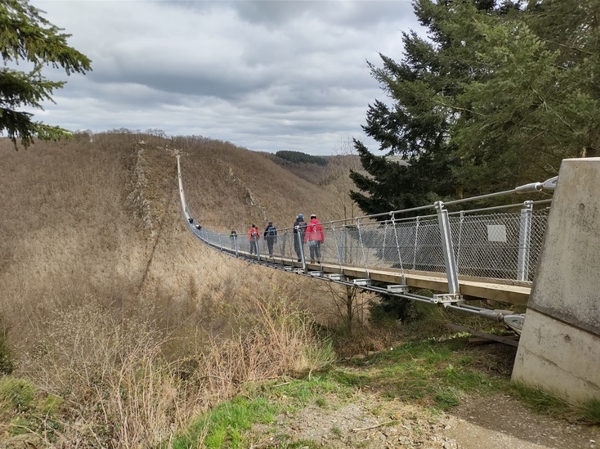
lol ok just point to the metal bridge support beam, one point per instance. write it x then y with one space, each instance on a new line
339 245
461 220
447 249
301 245
415 245
398 248
362 247
524 241
559 347
343 248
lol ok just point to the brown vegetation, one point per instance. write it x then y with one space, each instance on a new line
111 305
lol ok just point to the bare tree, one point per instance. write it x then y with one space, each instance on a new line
338 180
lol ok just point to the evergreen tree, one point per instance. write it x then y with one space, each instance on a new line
417 127
540 102
572 32
27 37
392 185
495 96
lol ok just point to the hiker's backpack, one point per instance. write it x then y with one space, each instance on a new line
271 231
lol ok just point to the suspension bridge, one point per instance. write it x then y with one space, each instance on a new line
496 253
489 253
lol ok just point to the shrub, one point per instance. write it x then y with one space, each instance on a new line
16 393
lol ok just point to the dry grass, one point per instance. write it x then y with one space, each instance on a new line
112 306
123 387
102 218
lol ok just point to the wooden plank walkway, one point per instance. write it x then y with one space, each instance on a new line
513 292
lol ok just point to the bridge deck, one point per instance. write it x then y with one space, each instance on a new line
475 288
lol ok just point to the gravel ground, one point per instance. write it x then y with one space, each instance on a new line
367 421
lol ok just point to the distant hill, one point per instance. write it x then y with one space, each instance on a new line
321 170
309 171
298 156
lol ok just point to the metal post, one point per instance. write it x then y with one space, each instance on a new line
221 241
449 260
337 245
362 246
383 243
460 226
342 245
257 247
524 241
415 244
301 243
284 244
397 245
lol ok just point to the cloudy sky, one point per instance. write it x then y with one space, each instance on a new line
266 75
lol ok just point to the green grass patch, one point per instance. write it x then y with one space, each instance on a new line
544 402
27 412
590 411
349 379
223 426
435 373
447 398
309 390
540 401
16 393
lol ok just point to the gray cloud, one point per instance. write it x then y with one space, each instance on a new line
266 75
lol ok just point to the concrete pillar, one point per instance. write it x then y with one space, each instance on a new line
559 349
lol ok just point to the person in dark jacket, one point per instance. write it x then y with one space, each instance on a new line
270 236
299 230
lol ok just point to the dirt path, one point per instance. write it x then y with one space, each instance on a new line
506 423
368 421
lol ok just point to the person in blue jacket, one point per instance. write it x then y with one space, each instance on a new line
270 236
299 230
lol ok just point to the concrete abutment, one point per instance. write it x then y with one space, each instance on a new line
559 349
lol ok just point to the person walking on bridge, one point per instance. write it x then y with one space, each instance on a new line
315 237
253 238
270 236
299 231
233 238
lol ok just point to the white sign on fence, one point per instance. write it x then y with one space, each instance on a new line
496 233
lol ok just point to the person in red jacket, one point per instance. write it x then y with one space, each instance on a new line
253 238
314 235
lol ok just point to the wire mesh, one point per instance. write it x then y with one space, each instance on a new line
484 245
488 245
